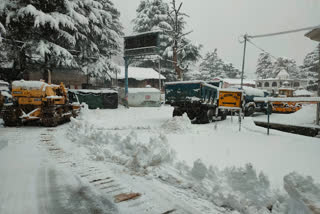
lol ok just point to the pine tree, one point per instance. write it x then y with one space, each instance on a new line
264 66
55 31
287 64
309 69
154 15
212 66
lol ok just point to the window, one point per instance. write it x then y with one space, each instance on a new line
296 84
274 84
266 84
259 84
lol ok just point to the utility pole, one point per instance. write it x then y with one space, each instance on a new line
318 104
244 58
176 35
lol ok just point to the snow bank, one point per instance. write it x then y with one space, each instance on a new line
304 193
137 154
239 189
177 124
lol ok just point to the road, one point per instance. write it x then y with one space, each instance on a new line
31 182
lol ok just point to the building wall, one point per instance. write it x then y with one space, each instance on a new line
274 85
71 79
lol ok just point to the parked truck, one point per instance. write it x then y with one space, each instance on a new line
198 99
251 106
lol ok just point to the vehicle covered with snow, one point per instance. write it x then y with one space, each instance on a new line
142 97
251 106
198 99
37 101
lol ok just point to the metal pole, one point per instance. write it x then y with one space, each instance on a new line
244 59
318 104
160 74
268 112
126 82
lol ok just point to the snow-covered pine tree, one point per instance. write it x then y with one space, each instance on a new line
44 29
310 68
212 66
311 64
283 63
56 30
153 15
264 66
98 35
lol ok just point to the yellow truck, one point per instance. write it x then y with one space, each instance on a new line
38 102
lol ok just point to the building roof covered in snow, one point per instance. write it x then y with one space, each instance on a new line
138 73
283 75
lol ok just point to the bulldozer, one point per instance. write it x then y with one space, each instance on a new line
285 107
36 102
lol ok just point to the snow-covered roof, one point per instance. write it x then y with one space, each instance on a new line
28 84
139 73
143 90
303 92
144 33
253 91
283 74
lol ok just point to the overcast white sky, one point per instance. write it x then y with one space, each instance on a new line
220 23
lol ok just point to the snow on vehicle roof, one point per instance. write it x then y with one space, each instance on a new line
185 82
303 92
287 99
236 81
253 91
138 73
143 90
92 91
28 84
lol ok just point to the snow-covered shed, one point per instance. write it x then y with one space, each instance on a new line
139 77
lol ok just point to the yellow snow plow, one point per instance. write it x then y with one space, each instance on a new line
38 102
286 107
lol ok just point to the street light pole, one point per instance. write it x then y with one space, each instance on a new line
244 58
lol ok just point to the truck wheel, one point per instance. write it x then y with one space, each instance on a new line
177 113
249 111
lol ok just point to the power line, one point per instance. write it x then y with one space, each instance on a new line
283 32
261 49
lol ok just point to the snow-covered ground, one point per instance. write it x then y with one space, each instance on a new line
304 117
212 168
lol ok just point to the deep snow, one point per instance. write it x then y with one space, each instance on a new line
210 168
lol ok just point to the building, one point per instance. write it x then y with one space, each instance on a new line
71 78
281 80
138 77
